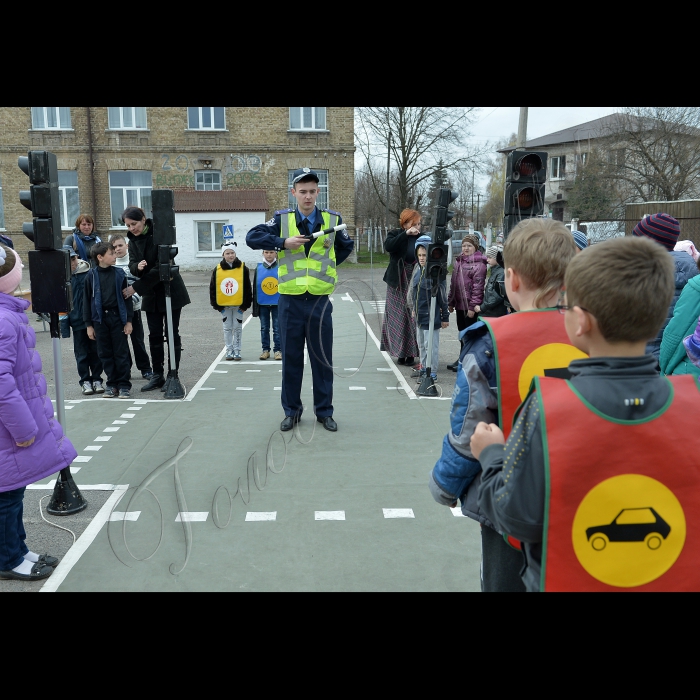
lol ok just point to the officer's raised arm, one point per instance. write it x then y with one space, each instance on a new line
266 236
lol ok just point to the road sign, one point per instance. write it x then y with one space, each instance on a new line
228 232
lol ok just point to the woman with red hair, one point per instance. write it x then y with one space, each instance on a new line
399 327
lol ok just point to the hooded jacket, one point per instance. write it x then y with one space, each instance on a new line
467 284
673 357
26 411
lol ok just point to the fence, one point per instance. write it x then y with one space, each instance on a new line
370 237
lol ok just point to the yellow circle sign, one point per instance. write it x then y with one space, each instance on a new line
550 357
628 530
269 286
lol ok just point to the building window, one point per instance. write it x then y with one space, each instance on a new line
616 156
210 236
322 201
2 210
206 118
127 117
129 188
51 118
68 195
557 167
307 118
207 180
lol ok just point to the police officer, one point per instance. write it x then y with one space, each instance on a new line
307 275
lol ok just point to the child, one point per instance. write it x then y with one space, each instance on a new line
600 489
231 294
467 284
419 297
108 318
494 304
265 303
499 357
143 364
32 443
85 349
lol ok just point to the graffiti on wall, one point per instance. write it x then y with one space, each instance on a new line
178 170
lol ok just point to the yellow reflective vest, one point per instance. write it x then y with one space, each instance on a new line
315 273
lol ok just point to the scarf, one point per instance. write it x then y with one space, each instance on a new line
79 246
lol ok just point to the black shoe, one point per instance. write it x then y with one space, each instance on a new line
147 375
328 423
155 382
48 560
39 571
409 361
454 366
401 361
288 423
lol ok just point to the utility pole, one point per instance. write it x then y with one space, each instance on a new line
478 196
388 166
522 128
472 194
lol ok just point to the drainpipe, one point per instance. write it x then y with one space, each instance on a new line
92 166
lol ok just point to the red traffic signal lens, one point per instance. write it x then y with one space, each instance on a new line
526 198
437 253
528 165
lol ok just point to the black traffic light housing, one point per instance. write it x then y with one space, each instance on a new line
526 173
163 206
437 250
49 279
166 257
42 199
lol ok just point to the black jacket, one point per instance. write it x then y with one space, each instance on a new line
494 294
247 291
148 285
396 245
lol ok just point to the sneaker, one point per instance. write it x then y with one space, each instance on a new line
278 355
147 375
230 356
433 376
98 388
111 392
237 356
124 394
87 388
265 355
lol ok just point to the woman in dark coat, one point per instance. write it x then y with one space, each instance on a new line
143 263
399 327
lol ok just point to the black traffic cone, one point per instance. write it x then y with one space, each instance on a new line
66 499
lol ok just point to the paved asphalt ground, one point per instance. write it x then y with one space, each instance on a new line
246 507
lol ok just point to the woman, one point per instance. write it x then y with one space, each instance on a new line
399 327
467 285
32 443
83 238
143 263
494 303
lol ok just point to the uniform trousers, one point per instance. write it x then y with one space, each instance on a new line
306 318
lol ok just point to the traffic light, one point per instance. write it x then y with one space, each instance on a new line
526 173
163 205
442 214
437 260
42 198
166 257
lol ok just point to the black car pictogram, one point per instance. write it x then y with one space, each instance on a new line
630 525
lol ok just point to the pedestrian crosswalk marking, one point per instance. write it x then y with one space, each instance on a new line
252 516
82 458
103 438
132 515
398 512
329 515
92 448
358 388
191 517
110 430
244 388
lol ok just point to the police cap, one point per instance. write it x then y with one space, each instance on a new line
303 173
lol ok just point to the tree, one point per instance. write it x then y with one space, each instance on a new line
421 138
594 194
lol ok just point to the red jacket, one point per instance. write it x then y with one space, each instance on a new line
468 280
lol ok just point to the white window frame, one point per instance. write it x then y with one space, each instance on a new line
204 188
560 171
45 116
199 117
216 249
322 186
313 126
2 208
69 224
140 191
133 113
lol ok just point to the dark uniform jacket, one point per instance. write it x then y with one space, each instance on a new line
247 292
148 284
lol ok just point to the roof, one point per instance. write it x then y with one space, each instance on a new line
220 200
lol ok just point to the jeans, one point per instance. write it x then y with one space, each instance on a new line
233 329
265 312
113 349
423 345
86 357
12 534
143 363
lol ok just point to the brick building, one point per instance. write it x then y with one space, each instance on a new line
110 157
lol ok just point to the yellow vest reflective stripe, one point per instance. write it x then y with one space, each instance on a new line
229 286
315 273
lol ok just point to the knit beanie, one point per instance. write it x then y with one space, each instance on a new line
692 346
473 238
662 228
580 239
492 252
424 241
10 275
230 245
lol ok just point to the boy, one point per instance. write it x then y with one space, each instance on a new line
494 304
419 297
600 490
108 318
498 360
231 294
85 349
143 364
265 302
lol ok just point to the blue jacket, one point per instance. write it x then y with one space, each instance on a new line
686 269
75 318
94 293
673 358
457 475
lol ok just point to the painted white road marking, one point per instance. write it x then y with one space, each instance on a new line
329 515
244 388
92 448
82 458
220 371
110 430
136 408
358 388
127 415
398 512
75 470
191 517
252 517
206 388
383 369
118 515
277 388
102 438
457 512
253 370
119 422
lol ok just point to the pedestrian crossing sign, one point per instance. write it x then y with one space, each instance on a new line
228 232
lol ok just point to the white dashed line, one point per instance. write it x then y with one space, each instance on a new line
127 415
277 388
110 430
219 371
253 370
82 458
132 515
103 438
252 517
75 470
207 388
357 388
92 448
119 422
244 388
457 512
191 517
329 515
398 512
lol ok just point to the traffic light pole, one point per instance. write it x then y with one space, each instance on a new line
173 386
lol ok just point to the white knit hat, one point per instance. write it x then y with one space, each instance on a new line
231 245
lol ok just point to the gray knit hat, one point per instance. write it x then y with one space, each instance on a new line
492 252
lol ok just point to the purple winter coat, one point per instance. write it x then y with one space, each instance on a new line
26 411
468 281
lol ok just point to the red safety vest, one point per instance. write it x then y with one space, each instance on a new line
527 344
622 509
